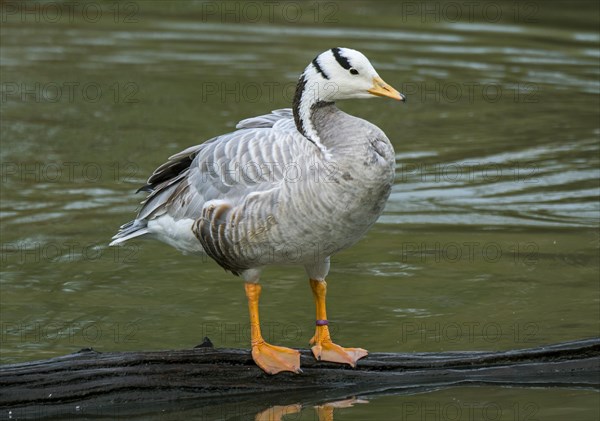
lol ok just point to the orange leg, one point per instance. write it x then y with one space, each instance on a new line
275 413
324 349
272 359
325 412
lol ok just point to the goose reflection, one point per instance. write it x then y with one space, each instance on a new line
324 412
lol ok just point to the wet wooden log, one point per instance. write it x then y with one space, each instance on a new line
89 382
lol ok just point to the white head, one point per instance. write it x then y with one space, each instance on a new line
343 73
339 73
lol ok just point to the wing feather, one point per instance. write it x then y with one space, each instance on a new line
227 185
267 120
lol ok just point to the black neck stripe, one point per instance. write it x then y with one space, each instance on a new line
296 105
319 70
342 61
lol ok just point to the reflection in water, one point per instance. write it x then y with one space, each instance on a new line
324 411
275 413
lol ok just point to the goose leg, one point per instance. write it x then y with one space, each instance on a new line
272 359
324 349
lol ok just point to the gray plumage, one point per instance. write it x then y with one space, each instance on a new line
269 194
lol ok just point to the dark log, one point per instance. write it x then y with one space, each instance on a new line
137 383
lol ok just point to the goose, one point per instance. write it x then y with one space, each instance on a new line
295 186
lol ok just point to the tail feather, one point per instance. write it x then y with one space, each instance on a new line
130 230
163 182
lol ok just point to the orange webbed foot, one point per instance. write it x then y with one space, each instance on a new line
326 350
275 359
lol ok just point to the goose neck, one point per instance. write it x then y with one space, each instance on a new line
306 102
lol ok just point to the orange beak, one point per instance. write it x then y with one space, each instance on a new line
380 88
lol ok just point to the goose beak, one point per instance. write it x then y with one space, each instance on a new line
380 88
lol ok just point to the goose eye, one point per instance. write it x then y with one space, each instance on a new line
353 71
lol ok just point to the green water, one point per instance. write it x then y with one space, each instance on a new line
489 241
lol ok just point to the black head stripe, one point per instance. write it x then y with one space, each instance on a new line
343 61
319 70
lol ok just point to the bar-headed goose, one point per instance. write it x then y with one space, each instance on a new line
291 187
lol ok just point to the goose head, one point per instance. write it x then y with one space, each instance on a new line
339 73
344 73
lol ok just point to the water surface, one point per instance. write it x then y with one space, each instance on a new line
489 241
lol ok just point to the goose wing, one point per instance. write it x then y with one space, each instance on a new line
248 161
236 175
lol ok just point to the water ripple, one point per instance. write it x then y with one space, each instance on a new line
534 186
